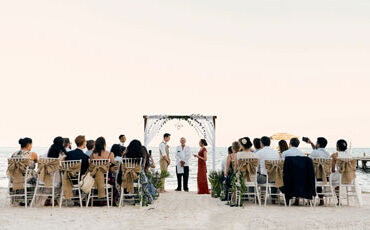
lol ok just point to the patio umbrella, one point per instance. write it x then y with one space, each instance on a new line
282 136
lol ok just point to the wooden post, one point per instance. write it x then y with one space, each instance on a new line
145 120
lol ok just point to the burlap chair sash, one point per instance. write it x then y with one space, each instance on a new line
248 167
16 170
98 171
275 172
322 169
129 175
68 174
46 169
348 170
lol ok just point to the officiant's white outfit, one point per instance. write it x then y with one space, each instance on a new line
183 154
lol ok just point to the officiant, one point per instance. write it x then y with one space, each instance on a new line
182 164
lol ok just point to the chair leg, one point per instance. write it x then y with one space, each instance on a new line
80 197
88 199
52 197
25 196
347 195
107 195
120 198
61 199
258 195
34 194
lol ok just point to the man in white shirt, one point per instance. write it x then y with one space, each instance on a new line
164 156
293 150
182 164
265 153
319 149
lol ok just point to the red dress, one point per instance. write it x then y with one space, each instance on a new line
202 174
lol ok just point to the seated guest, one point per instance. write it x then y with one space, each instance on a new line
90 146
25 151
117 151
57 149
257 145
230 170
99 151
134 150
67 144
266 153
283 146
78 154
293 150
246 147
122 140
319 149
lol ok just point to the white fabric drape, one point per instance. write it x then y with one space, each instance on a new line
154 124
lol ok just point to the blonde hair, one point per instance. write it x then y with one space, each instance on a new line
235 146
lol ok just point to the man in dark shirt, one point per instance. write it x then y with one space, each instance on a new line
78 154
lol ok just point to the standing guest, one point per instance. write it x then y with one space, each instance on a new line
224 161
90 146
67 144
149 187
122 139
202 168
78 154
57 149
319 149
25 151
164 156
230 169
257 144
225 177
182 164
117 151
283 146
293 149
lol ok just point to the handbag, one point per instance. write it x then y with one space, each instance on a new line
87 182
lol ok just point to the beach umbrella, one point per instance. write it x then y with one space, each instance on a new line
282 136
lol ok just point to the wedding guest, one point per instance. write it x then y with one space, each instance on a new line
319 149
122 139
67 144
134 150
99 151
164 156
283 146
117 151
293 149
231 159
25 151
202 168
182 164
78 154
90 147
149 187
223 163
57 149
266 153
225 177
257 144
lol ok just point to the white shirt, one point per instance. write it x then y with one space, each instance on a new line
266 153
293 152
162 148
344 155
320 153
183 155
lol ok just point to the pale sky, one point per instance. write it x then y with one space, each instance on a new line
96 67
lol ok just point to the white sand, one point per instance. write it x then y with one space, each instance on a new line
180 210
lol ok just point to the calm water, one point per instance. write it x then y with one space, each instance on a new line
363 177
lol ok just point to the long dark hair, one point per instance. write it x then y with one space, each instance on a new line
146 162
99 146
134 149
283 146
117 150
24 142
56 148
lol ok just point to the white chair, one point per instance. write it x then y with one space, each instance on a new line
131 163
27 193
41 185
107 186
75 181
350 189
328 188
249 184
269 185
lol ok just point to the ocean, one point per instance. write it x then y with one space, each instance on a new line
171 182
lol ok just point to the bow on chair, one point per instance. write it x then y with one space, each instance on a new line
248 167
68 174
46 169
16 170
322 169
348 170
129 175
98 171
275 172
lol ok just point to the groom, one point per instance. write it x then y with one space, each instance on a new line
182 164
164 156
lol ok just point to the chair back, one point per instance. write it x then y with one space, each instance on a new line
70 164
274 170
101 162
131 162
347 169
47 168
248 166
18 169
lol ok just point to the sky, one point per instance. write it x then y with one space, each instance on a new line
96 67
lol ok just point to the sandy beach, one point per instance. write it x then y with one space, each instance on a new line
180 210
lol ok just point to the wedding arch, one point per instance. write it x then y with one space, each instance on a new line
205 126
